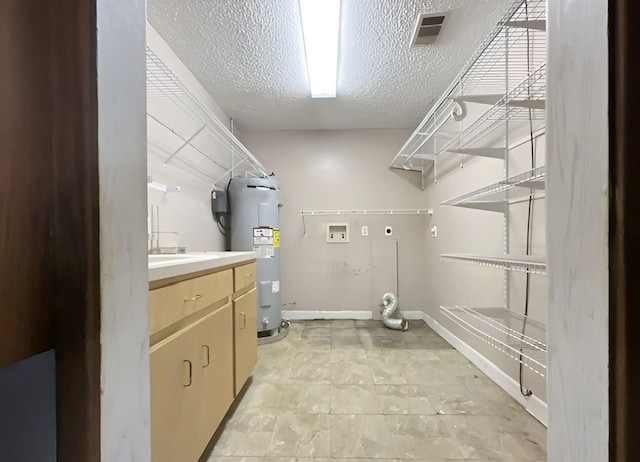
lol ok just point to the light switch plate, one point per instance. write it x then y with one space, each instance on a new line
365 230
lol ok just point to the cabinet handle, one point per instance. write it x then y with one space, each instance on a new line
190 373
205 356
243 318
193 299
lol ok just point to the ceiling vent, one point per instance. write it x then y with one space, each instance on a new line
427 29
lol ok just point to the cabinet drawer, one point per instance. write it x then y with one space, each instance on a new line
168 305
207 290
244 275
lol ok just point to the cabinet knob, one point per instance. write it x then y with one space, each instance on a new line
193 299
243 319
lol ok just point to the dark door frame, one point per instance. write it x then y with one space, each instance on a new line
76 228
49 206
624 229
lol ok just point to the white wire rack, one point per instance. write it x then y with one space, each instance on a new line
522 263
526 100
191 134
522 339
368 212
506 71
493 197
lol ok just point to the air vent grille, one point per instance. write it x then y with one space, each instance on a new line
428 27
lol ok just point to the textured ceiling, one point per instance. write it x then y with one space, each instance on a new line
249 55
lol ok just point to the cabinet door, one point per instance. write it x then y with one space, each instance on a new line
174 397
246 337
215 333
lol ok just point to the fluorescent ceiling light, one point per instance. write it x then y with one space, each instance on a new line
321 29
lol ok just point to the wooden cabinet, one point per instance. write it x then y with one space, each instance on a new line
216 373
174 397
191 386
246 340
204 347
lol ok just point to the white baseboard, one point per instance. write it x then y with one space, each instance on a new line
534 405
412 315
301 315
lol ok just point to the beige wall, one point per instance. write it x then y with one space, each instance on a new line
348 169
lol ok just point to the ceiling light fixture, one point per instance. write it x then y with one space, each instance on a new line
321 29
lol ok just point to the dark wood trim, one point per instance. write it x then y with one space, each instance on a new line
624 229
49 206
76 228
26 184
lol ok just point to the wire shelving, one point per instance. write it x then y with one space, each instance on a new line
499 74
493 197
520 338
523 263
191 134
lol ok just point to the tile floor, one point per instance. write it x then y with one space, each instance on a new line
355 390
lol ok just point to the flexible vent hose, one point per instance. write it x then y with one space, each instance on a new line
388 307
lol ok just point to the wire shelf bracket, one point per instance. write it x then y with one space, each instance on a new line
537 24
480 99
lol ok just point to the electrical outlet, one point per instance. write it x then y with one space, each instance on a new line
365 230
388 231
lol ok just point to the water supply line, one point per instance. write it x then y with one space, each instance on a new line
388 307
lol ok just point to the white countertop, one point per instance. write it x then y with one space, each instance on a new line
168 266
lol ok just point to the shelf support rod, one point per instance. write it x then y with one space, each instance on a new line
185 143
230 170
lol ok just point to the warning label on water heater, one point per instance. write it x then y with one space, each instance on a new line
264 242
262 236
276 238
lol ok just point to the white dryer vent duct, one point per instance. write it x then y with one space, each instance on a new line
459 111
388 308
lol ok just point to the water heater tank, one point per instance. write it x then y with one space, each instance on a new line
255 227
